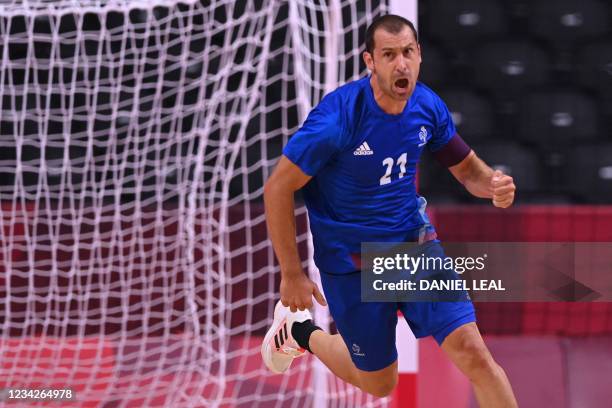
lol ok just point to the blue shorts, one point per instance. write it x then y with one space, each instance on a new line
368 328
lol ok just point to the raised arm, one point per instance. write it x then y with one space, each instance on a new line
296 288
484 182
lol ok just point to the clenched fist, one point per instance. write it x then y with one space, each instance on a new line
503 189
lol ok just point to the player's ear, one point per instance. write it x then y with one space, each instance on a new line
369 61
420 55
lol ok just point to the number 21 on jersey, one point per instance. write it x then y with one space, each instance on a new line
389 163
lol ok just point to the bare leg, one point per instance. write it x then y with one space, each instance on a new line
467 350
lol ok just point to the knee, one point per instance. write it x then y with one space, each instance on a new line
381 389
476 361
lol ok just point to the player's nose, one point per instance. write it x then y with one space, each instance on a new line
402 72
403 67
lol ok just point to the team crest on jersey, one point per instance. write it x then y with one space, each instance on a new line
363 150
423 136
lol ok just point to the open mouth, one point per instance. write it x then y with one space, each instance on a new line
401 83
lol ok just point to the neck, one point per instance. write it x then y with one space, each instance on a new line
384 101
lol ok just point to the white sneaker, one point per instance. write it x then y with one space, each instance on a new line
279 348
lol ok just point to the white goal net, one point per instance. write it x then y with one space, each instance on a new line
135 138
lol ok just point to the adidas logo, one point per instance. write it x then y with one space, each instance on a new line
363 150
281 336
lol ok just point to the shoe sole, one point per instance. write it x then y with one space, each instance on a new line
276 324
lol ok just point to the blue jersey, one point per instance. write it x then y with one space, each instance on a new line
363 165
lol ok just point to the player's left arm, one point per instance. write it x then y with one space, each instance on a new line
482 181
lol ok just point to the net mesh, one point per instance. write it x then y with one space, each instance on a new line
135 138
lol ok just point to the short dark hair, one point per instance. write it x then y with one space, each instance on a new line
391 23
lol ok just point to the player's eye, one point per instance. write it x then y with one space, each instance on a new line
387 54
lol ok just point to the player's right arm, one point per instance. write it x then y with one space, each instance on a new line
296 288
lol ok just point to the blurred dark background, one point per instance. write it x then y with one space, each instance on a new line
529 84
